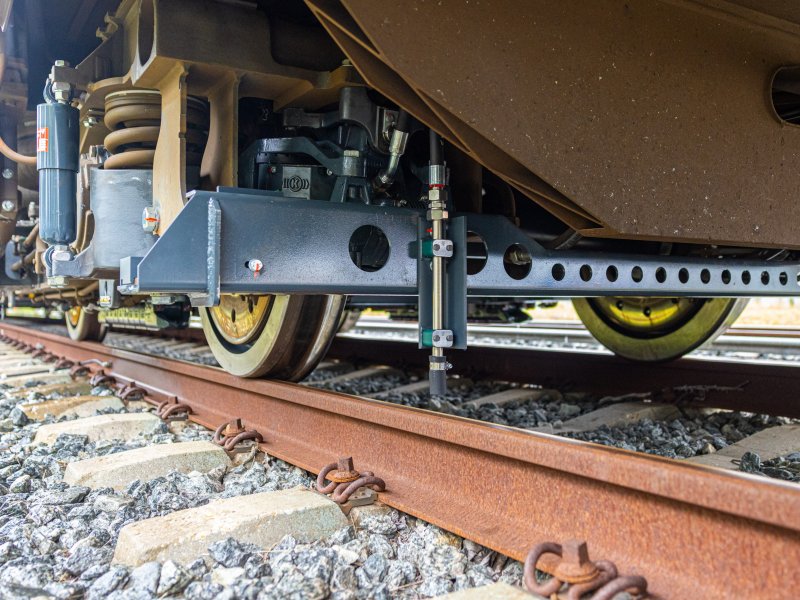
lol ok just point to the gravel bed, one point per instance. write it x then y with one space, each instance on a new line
319 375
57 541
783 467
691 434
366 386
136 343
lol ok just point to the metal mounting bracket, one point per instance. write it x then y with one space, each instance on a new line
305 248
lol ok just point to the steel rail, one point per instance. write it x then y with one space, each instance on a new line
685 527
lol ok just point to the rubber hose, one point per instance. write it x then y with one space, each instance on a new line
10 154
436 148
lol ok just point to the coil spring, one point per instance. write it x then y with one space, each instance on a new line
134 119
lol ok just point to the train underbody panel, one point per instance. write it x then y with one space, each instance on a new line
274 165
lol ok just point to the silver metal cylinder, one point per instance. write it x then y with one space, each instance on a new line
437 320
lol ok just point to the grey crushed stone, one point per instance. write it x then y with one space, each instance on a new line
57 540
689 435
782 467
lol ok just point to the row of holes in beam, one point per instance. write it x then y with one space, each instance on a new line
559 272
369 250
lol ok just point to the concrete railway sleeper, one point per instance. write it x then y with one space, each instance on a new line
619 492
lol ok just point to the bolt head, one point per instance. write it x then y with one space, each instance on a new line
8 173
255 265
150 219
61 254
8 205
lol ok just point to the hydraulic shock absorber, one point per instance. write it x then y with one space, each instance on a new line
440 249
57 160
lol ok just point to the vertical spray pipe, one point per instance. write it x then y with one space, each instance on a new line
437 213
57 158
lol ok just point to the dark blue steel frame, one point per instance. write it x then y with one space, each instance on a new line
303 245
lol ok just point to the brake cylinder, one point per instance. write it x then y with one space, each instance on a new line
57 160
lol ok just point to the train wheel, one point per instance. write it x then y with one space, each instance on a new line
656 329
278 336
84 325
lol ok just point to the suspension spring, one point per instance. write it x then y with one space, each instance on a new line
134 119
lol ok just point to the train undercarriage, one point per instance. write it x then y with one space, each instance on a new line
276 165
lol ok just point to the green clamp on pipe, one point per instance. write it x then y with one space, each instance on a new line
427 248
426 338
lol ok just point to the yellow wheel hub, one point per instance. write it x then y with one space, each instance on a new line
74 315
239 319
647 315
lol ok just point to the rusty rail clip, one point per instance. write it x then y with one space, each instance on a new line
78 370
102 378
344 480
172 410
231 435
64 363
579 572
131 390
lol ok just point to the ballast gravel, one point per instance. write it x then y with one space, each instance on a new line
57 541
782 467
692 434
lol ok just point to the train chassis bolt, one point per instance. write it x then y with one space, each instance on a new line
150 219
255 265
8 205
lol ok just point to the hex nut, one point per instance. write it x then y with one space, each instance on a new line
150 219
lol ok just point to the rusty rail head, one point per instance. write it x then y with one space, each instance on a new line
344 480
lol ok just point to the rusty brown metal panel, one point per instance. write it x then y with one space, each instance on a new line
692 531
653 117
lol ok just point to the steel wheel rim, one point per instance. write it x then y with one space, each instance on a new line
294 335
711 318
239 318
646 317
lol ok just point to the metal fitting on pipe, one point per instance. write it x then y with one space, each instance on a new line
397 147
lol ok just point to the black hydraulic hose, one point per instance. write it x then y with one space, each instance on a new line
436 148
403 122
